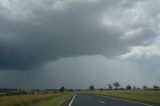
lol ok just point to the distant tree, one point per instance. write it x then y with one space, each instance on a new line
62 89
121 88
91 87
128 87
155 87
101 89
70 90
37 91
145 87
109 86
117 85
134 87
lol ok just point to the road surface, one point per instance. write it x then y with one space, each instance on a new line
83 99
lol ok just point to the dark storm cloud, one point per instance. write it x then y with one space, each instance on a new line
35 32
75 73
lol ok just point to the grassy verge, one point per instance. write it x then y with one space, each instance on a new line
146 96
55 101
24 100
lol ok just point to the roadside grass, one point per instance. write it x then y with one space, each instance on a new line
54 101
145 96
25 100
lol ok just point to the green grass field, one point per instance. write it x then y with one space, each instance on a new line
146 96
55 99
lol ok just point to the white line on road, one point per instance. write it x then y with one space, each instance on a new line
72 100
102 102
133 102
127 100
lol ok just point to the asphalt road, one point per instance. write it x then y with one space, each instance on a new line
82 99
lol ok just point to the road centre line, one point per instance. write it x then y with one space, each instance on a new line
113 98
102 102
133 102
125 100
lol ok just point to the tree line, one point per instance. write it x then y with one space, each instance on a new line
117 86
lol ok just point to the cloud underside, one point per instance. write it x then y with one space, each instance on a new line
35 32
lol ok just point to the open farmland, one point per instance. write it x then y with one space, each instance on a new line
146 96
55 101
27 100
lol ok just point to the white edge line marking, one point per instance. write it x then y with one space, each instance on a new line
128 101
102 102
72 100
133 102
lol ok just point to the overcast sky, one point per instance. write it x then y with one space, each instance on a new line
77 43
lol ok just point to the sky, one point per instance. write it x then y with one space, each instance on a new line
78 43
